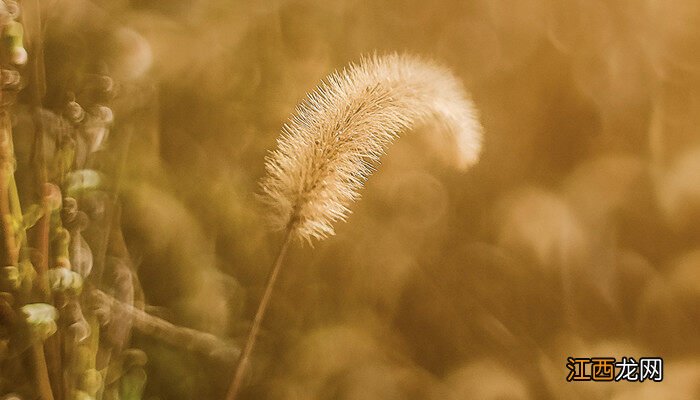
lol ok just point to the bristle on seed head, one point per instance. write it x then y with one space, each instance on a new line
337 135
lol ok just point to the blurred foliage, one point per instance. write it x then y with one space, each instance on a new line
576 234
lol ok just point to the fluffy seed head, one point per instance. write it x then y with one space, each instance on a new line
338 133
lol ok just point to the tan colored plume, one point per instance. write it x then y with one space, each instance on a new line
334 140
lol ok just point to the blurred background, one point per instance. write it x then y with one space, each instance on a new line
576 234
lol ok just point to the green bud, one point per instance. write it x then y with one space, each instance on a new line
82 180
65 280
13 34
41 320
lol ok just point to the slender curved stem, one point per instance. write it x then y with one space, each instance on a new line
150 325
244 359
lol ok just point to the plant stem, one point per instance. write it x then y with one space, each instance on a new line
6 161
33 28
41 372
9 242
8 190
243 360
147 324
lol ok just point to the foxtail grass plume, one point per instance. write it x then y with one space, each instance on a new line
337 135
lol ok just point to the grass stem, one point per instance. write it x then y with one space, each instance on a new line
244 359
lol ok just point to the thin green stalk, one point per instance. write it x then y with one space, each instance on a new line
8 192
33 29
8 233
6 162
244 359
